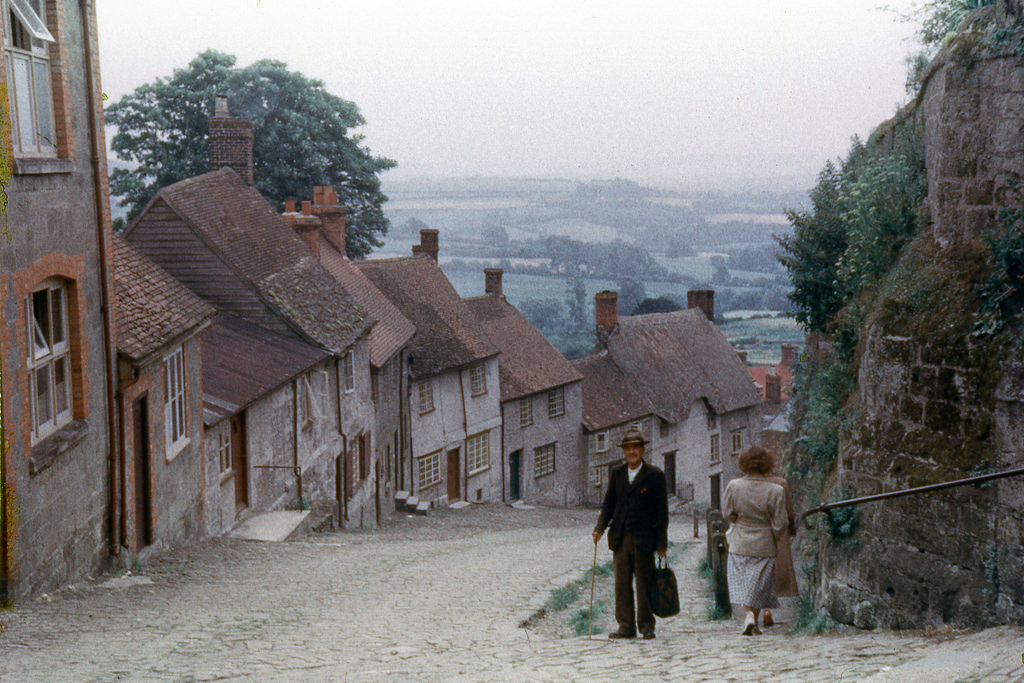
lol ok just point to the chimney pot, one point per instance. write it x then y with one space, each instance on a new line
704 299
220 106
492 281
289 205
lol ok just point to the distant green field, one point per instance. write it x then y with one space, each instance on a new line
762 338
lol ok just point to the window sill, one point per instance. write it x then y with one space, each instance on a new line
545 474
46 452
478 471
175 449
42 166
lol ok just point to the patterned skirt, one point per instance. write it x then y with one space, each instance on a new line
752 581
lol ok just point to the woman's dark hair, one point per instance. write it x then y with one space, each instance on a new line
756 460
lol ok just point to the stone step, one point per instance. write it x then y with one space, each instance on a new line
422 508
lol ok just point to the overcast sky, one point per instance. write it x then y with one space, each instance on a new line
673 93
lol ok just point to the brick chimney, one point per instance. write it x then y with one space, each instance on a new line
331 215
743 355
606 313
788 355
428 243
305 224
492 281
230 141
704 299
772 389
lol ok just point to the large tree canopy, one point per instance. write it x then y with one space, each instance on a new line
301 138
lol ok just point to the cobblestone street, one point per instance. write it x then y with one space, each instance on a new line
433 598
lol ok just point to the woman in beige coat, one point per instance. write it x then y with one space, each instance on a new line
755 508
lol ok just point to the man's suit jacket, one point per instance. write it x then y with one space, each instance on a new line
640 508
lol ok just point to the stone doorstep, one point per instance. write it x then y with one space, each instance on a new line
458 505
280 525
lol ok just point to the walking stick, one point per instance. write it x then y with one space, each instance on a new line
593 572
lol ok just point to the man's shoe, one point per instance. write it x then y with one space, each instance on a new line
649 635
621 635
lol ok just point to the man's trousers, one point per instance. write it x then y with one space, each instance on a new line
629 562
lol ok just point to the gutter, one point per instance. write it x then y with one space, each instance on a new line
115 445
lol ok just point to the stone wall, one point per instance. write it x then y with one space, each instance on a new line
929 411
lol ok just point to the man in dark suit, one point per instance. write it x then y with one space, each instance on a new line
635 511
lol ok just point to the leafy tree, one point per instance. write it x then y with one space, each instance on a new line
576 302
661 304
301 138
631 293
811 252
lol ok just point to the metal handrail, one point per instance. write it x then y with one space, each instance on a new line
917 489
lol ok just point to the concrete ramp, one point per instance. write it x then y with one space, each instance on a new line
279 525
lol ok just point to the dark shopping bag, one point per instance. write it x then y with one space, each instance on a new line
663 593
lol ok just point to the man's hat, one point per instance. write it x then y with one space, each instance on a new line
633 435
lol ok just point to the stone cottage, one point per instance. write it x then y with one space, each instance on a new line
388 351
454 388
219 237
541 404
161 470
675 376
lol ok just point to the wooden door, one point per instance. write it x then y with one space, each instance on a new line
140 458
670 472
514 461
453 475
240 462
716 491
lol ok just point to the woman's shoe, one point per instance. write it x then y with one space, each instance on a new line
768 621
750 625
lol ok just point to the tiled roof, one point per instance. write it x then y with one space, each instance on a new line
528 362
447 333
238 223
609 398
152 307
672 360
392 330
242 362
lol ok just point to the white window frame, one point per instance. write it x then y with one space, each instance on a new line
478 380
597 475
425 396
224 451
544 458
556 402
601 442
525 412
736 437
29 78
349 366
428 469
175 405
715 449
49 358
478 452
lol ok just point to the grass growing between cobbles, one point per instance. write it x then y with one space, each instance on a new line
580 620
712 612
809 621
